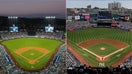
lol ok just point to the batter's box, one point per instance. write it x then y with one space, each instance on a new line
32 54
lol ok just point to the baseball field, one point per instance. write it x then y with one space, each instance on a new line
100 46
31 54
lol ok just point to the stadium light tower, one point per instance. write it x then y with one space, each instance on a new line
12 20
47 17
50 19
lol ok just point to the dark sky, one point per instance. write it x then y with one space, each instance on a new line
32 8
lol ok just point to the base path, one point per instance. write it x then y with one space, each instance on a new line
116 43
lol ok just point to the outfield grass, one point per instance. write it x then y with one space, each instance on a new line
76 37
15 44
96 48
97 33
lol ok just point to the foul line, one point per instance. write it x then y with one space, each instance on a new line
90 52
100 57
116 51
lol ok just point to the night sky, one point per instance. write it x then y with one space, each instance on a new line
33 8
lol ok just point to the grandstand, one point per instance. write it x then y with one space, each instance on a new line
13 35
71 60
127 26
77 25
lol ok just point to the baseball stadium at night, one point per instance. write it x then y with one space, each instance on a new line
32 37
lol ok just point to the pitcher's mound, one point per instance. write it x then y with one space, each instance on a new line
32 54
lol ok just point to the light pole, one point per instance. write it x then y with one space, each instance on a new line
12 20
50 19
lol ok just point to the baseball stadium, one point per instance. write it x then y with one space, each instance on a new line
31 45
98 39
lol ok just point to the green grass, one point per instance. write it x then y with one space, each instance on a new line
97 33
76 37
28 53
15 44
108 48
87 56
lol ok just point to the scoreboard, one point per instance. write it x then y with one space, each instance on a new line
104 18
104 15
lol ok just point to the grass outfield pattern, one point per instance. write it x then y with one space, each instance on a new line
76 37
15 44
96 33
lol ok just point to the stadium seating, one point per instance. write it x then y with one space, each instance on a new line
124 68
71 60
77 25
127 26
13 35
55 35
82 69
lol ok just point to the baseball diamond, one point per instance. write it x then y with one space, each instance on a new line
100 45
32 54
41 52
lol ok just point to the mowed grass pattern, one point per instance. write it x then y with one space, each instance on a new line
76 37
15 44
97 33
